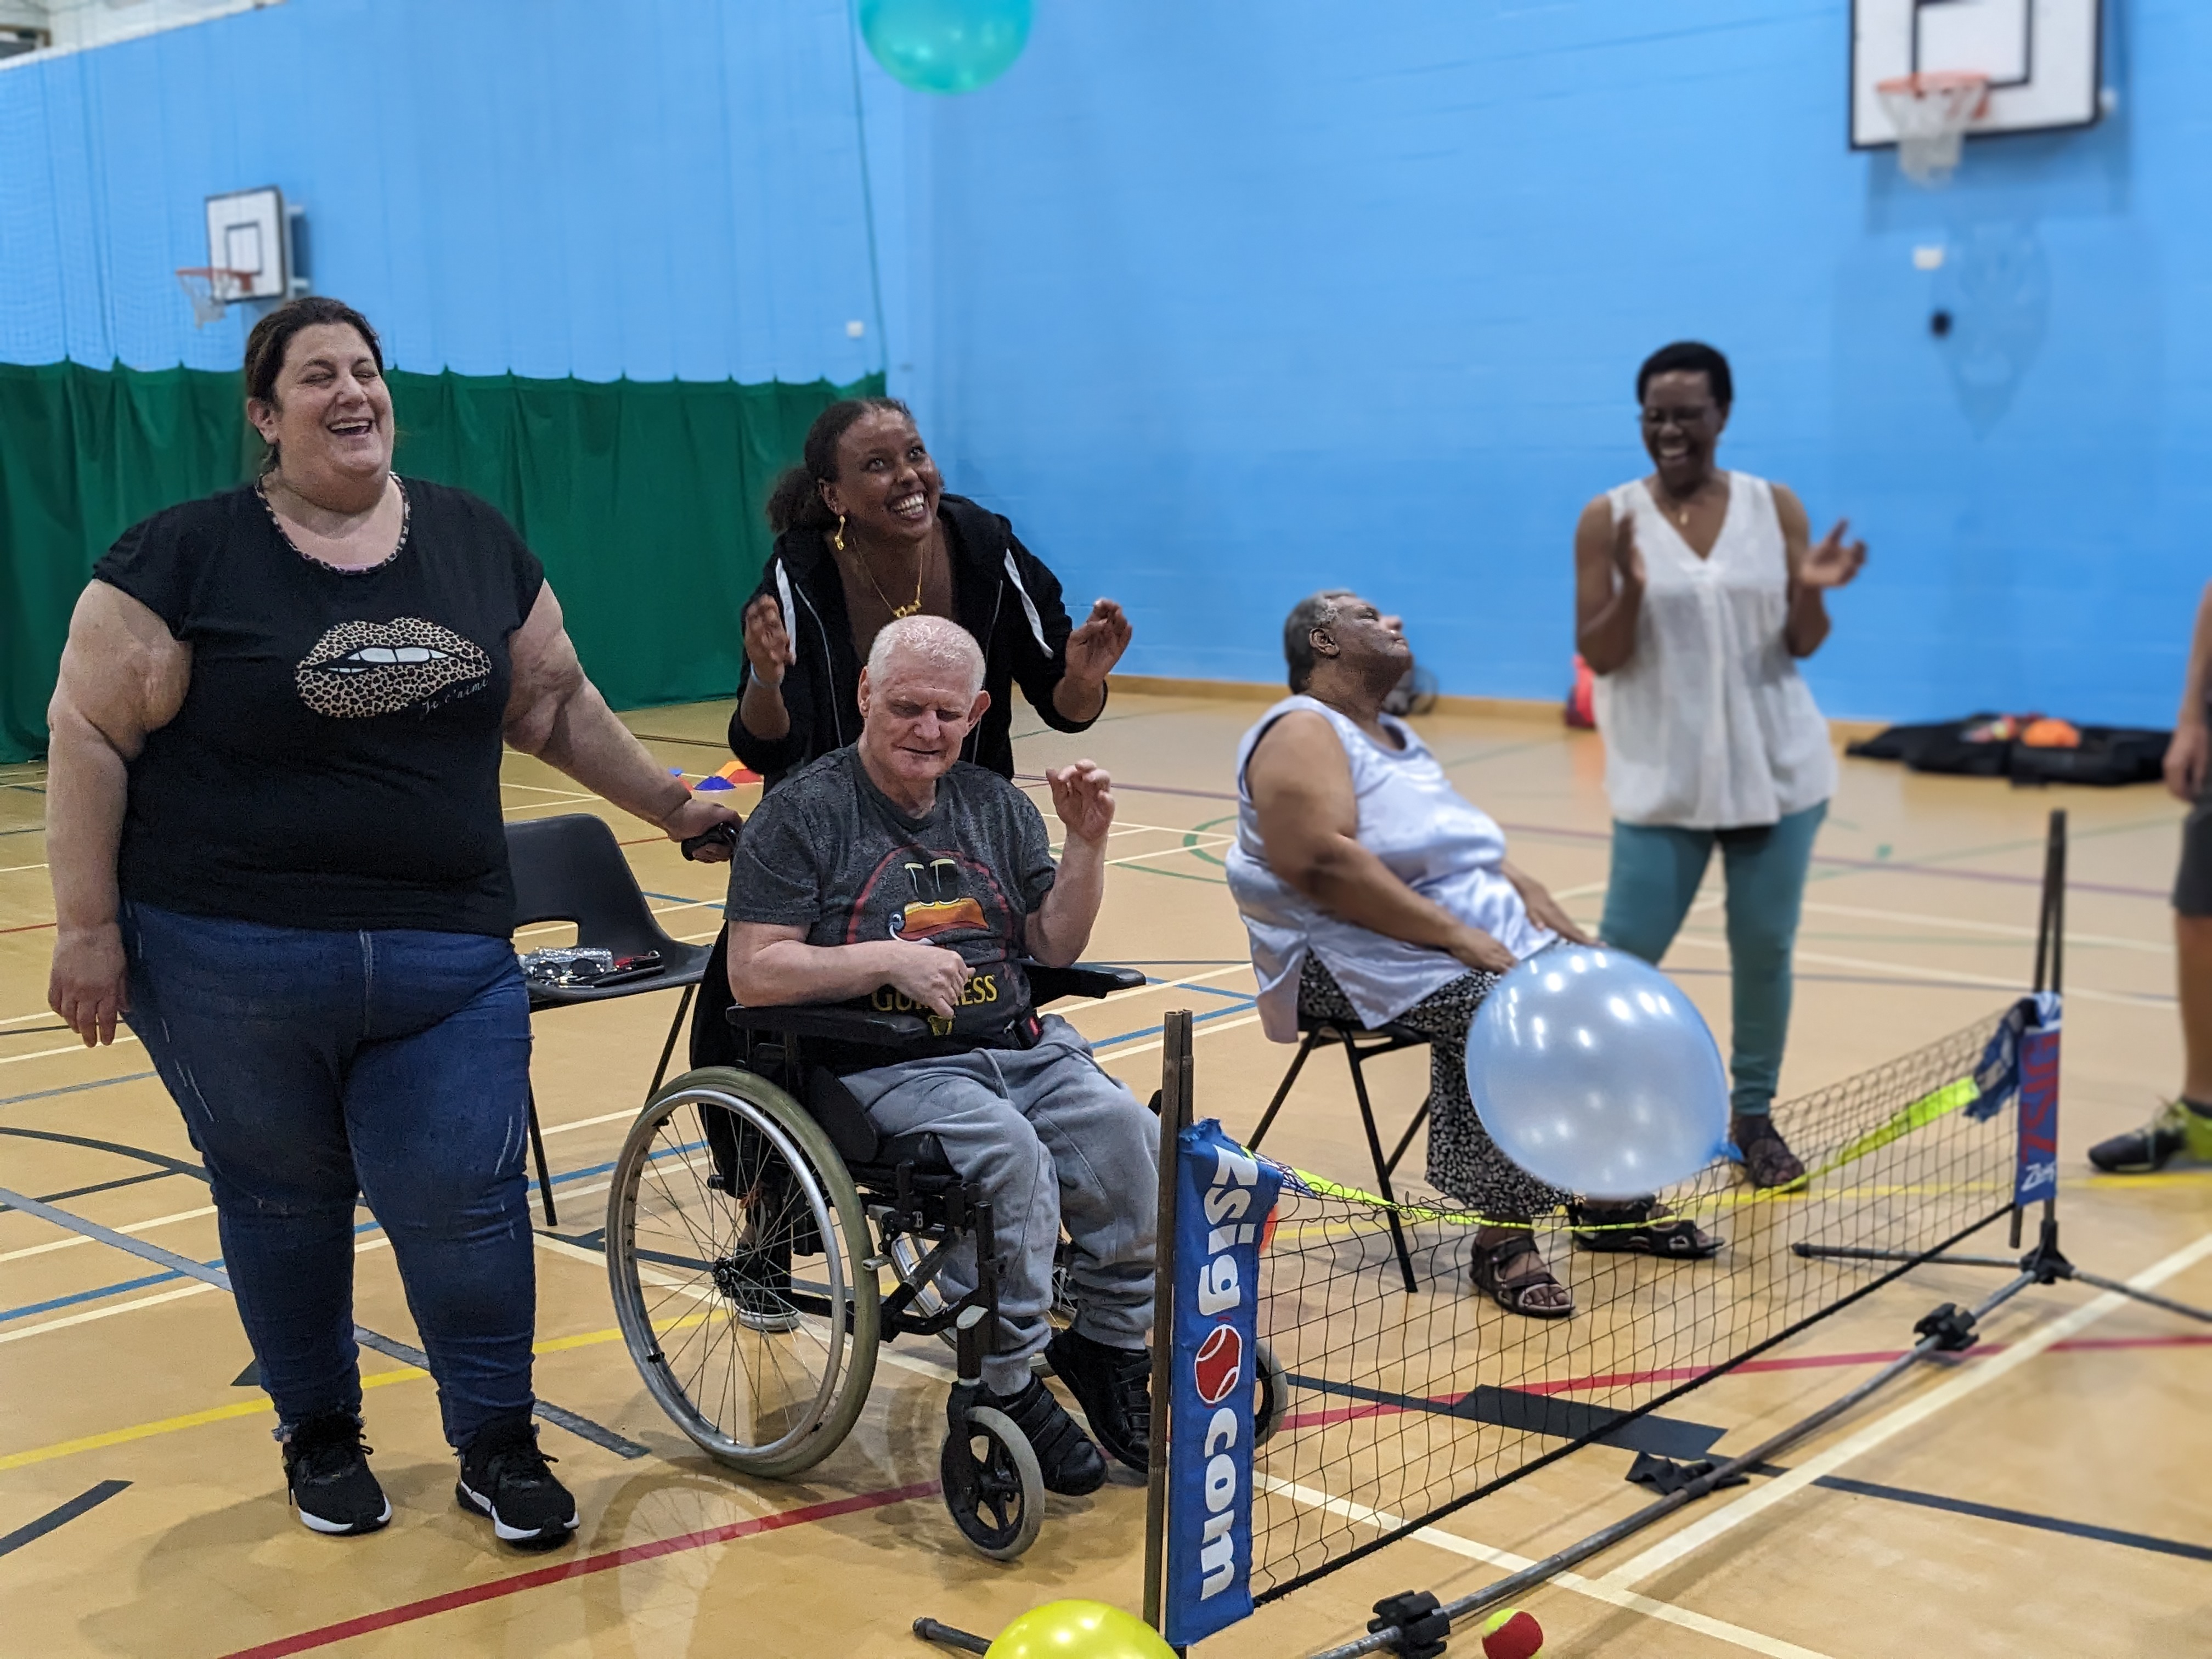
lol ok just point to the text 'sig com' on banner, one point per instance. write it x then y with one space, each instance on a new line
1224 1199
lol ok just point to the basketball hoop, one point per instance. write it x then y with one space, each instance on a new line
210 288
1931 113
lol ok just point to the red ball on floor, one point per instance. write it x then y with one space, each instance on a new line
1511 1634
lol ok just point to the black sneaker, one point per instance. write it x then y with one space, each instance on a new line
1071 1465
1114 1388
326 1469
504 1475
1767 1158
2176 1131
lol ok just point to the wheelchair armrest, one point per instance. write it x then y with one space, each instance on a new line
1079 979
859 1025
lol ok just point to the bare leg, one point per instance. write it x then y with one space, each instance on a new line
2192 938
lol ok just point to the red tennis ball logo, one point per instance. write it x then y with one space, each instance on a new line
1218 1365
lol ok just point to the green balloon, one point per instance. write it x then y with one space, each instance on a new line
945 45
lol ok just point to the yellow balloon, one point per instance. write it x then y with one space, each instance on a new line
1078 1630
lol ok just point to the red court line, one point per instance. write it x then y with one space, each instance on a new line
28 927
1684 1373
627 1555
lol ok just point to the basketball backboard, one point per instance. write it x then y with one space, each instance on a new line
247 234
2040 58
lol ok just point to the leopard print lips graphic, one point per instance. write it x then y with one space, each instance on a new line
362 669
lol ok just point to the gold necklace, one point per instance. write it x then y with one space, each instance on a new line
896 610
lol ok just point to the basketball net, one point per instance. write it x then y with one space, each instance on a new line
210 288
1931 113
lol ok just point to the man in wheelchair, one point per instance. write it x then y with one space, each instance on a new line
896 877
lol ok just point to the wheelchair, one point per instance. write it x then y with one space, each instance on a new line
753 1218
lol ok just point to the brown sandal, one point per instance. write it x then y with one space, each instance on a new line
1515 1292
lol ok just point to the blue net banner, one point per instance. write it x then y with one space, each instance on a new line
2036 1176
1223 1198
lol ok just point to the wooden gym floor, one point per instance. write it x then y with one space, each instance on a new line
2035 1498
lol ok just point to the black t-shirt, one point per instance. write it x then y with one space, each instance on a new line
335 763
827 851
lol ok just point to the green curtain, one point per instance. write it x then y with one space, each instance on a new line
643 499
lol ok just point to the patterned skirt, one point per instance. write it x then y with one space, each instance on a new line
1463 1161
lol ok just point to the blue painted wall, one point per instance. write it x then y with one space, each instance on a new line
1225 302
669 189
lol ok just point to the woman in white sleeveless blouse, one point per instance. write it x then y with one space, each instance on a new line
1375 893
1697 590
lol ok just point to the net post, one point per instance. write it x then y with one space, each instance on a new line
2050 975
1176 1080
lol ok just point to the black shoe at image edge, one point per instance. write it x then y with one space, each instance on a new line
505 1477
1071 1465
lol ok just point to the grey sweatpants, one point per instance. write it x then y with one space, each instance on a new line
1051 1140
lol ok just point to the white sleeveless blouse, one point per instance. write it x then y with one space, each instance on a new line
1709 725
1432 837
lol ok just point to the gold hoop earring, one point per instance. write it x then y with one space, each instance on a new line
837 541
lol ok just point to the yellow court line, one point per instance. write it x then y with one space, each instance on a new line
18 869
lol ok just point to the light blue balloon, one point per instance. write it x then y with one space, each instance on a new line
1593 1072
945 45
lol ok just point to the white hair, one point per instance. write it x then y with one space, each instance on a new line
932 639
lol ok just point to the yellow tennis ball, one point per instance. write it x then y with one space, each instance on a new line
1510 1633
1078 1630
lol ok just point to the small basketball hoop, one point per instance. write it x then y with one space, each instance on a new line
210 288
1931 113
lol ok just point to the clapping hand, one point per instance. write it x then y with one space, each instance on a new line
1834 561
1082 795
1097 645
768 647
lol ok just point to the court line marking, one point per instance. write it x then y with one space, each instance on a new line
628 1555
1982 981
15 869
1912 1413
121 1037
2007 930
1203 1025
61 1515
101 1313
1719 1629
2051 1523
133 1227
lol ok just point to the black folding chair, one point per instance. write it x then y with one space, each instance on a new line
1360 1045
571 869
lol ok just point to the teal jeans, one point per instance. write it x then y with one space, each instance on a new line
1656 869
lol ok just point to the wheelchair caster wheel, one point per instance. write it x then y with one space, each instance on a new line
993 1486
1271 1395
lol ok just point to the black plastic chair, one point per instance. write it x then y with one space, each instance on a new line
570 868
1360 1045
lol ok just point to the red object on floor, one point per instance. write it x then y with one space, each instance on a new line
1512 1634
1582 702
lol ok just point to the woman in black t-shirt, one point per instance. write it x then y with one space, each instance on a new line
274 835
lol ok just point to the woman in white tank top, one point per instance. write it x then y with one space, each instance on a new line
1376 894
1697 590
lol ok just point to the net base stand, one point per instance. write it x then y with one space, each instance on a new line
2045 1264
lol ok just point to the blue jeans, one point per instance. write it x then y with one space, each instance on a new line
1656 872
312 1066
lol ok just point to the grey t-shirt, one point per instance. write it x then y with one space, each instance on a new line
827 851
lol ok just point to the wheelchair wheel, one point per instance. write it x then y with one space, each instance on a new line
993 1486
1271 1395
737 1251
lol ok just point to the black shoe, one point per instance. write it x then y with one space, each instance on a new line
2175 1131
1767 1158
1071 1465
504 1475
1644 1227
1114 1388
327 1469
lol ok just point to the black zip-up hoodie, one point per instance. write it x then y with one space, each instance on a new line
1002 593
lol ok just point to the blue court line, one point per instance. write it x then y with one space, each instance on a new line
31 1308
75 1088
2134 1541
1243 1005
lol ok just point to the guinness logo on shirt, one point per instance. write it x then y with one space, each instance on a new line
362 669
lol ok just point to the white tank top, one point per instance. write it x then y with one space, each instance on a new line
1709 725
1433 838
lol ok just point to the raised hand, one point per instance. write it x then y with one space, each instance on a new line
1082 795
1097 645
768 647
1627 557
1834 561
